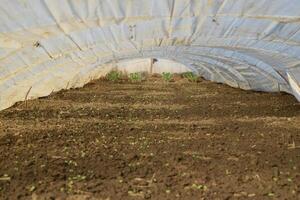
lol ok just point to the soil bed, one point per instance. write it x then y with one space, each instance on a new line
151 140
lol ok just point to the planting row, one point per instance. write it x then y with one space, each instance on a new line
115 76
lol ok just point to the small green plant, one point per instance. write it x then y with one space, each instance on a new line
167 76
190 76
113 76
135 77
199 187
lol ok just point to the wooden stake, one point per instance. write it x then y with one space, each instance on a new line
27 96
151 66
67 85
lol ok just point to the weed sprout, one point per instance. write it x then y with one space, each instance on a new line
135 77
113 76
167 76
190 76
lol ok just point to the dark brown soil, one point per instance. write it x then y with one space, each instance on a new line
152 140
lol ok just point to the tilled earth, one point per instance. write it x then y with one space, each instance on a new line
151 140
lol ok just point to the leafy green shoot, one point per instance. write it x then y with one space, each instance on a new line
167 76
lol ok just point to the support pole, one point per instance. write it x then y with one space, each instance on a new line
151 66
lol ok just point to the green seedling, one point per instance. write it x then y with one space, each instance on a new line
135 77
199 187
32 188
78 178
167 76
114 76
190 76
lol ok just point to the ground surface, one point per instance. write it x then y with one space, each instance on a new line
152 140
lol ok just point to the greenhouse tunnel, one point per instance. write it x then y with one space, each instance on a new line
49 45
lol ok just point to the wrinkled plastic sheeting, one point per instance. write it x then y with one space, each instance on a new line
49 45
